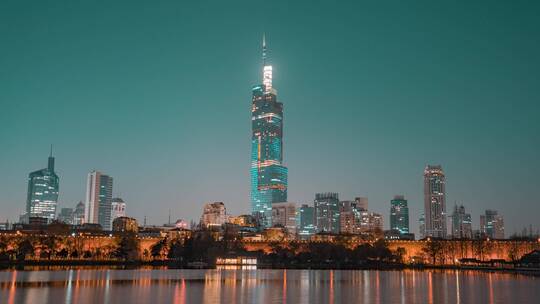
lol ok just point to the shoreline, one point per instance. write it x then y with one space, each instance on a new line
53 264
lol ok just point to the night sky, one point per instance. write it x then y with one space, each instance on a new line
158 96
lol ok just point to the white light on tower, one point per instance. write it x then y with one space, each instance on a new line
267 78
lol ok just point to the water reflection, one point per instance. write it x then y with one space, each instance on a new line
263 286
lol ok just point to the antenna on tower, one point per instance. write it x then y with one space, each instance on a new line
169 217
50 155
264 49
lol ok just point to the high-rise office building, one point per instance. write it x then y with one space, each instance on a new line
327 212
66 216
78 214
399 214
284 215
371 223
307 226
347 222
461 223
42 196
434 202
99 188
350 215
422 226
268 174
214 215
492 225
118 208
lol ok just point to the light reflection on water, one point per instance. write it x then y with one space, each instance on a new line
264 286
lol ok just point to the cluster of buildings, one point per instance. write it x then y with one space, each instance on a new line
98 208
270 208
433 223
328 214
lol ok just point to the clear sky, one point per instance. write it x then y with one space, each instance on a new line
158 96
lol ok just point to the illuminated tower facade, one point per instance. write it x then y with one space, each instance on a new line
42 196
434 202
268 175
98 199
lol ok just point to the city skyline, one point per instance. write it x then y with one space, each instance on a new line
347 118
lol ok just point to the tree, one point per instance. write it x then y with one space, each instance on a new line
381 251
481 248
157 249
177 251
24 248
48 246
433 249
400 254
128 248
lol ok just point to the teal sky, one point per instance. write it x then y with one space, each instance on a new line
158 96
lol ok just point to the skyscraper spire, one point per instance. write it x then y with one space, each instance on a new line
264 49
267 69
50 155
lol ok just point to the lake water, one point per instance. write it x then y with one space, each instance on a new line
265 286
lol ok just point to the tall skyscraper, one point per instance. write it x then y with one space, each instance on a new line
492 224
461 223
307 226
434 202
399 214
99 189
268 174
42 196
327 212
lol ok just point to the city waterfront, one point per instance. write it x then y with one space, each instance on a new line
264 286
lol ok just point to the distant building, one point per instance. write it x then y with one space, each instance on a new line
399 214
461 223
422 226
284 215
99 190
327 212
36 221
435 202
5 225
125 224
275 234
118 208
42 195
350 214
245 220
214 214
78 214
179 234
361 203
181 224
66 216
347 222
371 222
307 226
492 224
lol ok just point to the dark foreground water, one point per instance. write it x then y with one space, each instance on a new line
265 286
